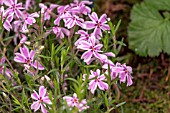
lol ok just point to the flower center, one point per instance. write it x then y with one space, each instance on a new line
40 100
74 100
98 24
93 49
28 61
96 80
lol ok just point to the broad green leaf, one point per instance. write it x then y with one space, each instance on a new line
149 27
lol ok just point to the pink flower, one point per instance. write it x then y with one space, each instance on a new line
122 71
91 50
6 19
97 80
61 31
98 24
83 105
80 8
30 4
125 74
83 36
41 100
62 11
72 20
46 10
14 8
27 58
29 19
2 68
74 102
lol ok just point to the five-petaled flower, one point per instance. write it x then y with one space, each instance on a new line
74 102
96 80
41 100
29 19
14 8
27 58
46 10
98 24
92 49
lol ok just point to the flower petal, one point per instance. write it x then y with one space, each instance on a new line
42 91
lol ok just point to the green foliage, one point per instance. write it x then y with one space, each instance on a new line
148 30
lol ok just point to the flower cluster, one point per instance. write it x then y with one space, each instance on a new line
67 21
74 102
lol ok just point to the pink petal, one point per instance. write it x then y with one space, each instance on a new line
25 51
7 25
98 46
97 32
92 40
32 53
19 58
98 72
35 96
18 13
90 25
35 106
47 100
129 80
43 109
37 65
122 77
92 86
65 31
41 5
93 17
103 85
42 91
105 27
30 20
2 61
87 56
103 18
110 54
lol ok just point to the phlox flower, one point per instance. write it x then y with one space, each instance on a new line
80 7
29 4
62 12
2 68
61 31
97 24
29 19
74 102
83 36
6 19
121 71
72 20
14 8
46 10
41 100
96 80
125 75
27 58
92 50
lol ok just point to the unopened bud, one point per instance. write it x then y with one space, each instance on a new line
28 42
4 94
47 78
